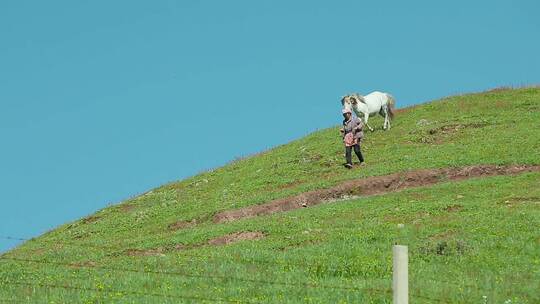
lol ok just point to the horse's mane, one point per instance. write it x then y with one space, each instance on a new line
358 97
355 97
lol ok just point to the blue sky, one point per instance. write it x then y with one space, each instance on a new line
101 100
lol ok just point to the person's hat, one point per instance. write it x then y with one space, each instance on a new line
344 111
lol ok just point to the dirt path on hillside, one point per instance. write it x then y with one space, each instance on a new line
372 186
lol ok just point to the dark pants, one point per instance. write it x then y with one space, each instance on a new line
356 151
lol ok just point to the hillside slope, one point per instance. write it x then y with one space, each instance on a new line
468 237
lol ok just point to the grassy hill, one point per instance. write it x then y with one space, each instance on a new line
472 240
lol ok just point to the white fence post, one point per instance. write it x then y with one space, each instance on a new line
400 280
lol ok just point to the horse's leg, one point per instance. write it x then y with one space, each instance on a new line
386 125
388 111
382 113
366 116
388 118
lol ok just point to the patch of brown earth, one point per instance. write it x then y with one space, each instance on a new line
372 186
452 128
236 237
438 135
513 201
80 235
90 219
126 207
453 208
182 225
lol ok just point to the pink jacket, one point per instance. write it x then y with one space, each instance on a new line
354 127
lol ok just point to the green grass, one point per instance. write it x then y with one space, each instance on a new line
467 240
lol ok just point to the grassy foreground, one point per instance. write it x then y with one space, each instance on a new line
475 241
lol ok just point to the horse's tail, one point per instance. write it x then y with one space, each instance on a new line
391 105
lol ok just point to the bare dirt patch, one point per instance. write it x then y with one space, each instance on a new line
372 186
126 207
182 225
440 134
236 237
514 201
91 219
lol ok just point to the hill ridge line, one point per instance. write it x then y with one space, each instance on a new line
369 186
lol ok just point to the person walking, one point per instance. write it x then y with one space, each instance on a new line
353 134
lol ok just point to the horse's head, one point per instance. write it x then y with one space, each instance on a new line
348 102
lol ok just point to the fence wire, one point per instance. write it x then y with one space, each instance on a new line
183 254
195 276
122 291
188 275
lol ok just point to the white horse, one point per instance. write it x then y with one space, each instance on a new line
371 104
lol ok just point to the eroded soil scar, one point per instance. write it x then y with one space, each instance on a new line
372 186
